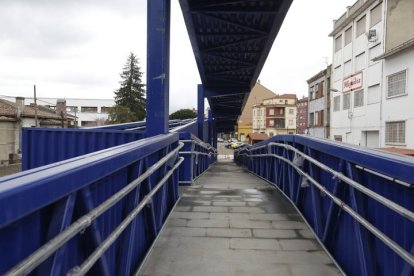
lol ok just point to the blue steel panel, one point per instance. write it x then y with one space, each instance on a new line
158 65
42 146
38 204
357 251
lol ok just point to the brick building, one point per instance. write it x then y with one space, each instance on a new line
302 116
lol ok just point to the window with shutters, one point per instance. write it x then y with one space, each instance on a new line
376 15
311 119
359 98
361 26
338 43
397 84
395 132
348 36
347 101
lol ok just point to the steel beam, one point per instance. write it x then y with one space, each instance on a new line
158 65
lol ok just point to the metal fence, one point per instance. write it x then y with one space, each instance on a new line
198 156
98 213
359 202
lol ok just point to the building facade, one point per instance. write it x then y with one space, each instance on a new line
319 87
373 69
89 112
358 37
276 115
398 76
245 122
302 116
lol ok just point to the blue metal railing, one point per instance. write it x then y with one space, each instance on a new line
359 202
198 156
97 213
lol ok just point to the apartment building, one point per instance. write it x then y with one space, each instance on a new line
302 116
276 115
358 38
373 66
398 76
245 122
319 87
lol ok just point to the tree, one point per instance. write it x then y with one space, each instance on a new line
131 94
119 114
183 114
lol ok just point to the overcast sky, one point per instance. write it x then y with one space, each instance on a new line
76 48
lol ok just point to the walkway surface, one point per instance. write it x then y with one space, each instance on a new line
233 223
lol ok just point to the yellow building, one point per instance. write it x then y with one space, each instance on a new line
245 122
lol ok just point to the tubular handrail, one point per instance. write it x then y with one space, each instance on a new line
94 257
45 251
375 231
201 144
386 202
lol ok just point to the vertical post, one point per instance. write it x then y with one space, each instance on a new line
35 105
200 111
158 66
210 127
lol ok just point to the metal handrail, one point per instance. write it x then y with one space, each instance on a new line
386 202
94 257
201 144
371 228
45 251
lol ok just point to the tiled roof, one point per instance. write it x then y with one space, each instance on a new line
258 136
283 96
9 109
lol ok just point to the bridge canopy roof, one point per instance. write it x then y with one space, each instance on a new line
231 40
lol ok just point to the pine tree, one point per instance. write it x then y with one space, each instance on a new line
131 94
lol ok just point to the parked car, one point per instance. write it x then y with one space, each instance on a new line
237 145
233 140
220 140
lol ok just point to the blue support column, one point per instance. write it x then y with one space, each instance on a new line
200 111
158 66
210 127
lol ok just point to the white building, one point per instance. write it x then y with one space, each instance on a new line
373 69
398 77
89 112
358 38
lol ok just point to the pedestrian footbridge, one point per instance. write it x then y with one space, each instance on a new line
150 198
233 223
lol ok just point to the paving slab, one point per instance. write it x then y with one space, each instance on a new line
233 223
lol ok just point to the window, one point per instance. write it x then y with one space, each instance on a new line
360 62
397 84
91 109
281 111
347 101
338 43
374 94
376 15
72 109
348 68
290 122
286 101
361 24
271 123
291 111
395 132
359 98
311 119
271 111
105 109
348 36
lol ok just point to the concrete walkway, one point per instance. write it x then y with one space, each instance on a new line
233 223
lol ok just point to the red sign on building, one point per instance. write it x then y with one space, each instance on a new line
353 82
